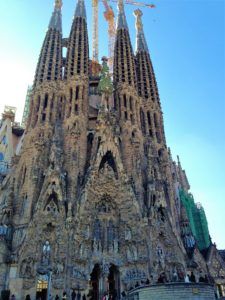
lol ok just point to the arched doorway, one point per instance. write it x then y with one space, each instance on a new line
42 287
114 282
95 276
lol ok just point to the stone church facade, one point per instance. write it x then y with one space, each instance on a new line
91 200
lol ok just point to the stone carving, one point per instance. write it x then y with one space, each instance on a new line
78 273
59 268
134 276
46 252
27 268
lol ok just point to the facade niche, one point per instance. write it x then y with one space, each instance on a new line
52 203
108 161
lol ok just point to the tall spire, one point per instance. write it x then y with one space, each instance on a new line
121 21
141 44
124 65
56 19
80 10
50 60
77 53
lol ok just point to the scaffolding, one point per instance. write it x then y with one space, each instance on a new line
26 107
197 219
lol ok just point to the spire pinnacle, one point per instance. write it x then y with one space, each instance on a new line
56 19
80 10
121 21
141 44
58 4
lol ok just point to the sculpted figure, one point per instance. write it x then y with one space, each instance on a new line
46 253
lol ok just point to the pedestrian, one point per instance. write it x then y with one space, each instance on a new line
28 297
73 295
64 296
84 297
78 295
57 297
13 297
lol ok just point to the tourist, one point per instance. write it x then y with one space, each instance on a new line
64 296
78 296
13 297
73 295
192 277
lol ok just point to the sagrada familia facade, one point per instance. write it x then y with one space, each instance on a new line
93 200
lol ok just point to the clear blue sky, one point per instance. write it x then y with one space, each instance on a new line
186 41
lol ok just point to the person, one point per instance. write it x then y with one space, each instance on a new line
57 297
192 277
28 297
105 297
78 296
84 297
73 295
13 297
123 294
64 296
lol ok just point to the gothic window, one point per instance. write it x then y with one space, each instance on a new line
131 103
125 100
142 118
97 230
23 206
52 203
24 175
149 118
1 156
110 233
38 103
77 93
71 95
108 159
155 120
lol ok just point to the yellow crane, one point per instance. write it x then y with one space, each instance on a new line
110 18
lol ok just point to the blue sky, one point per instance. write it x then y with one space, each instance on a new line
186 42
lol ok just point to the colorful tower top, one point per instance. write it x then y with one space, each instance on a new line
141 44
56 19
80 10
121 21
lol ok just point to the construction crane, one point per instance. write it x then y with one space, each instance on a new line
110 18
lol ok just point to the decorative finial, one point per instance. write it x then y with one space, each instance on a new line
80 10
56 19
121 22
141 44
58 4
138 14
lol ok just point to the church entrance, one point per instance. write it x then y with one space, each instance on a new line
114 282
95 276
42 287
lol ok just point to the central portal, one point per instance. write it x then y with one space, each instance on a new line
100 284
42 287
114 282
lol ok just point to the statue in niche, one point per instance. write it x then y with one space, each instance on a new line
59 268
27 268
129 254
127 234
161 257
135 252
115 246
46 253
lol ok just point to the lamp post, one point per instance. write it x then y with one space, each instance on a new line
49 285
